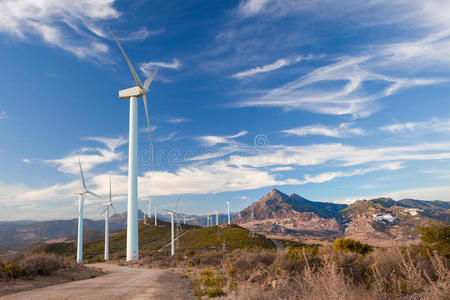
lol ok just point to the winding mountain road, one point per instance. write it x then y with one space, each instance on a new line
120 283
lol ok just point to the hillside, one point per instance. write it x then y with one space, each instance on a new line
153 238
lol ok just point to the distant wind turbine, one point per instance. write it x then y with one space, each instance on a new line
81 197
217 218
106 212
149 208
207 221
172 228
228 203
156 215
133 93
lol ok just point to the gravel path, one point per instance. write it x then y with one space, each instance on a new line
120 283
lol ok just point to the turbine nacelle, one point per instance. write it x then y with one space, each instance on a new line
133 92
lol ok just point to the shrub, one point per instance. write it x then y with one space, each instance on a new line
352 246
10 270
41 264
436 236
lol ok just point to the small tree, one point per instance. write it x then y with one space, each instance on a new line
436 236
351 245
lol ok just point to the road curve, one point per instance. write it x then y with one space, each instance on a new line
120 283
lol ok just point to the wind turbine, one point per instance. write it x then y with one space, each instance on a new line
81 197
149 208
172 214
217 218
156 215
228 203
133 93
107 205
207 221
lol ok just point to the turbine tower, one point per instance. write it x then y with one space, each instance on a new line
156 216
217 218
228 203
172 227
133 93
81 197
207 221
106 212
149 208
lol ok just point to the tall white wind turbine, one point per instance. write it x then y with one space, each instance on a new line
156 215
107 205
207 221
172 227
133 93
217 218
81 197
228 204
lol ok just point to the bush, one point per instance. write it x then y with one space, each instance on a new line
41 264
352 246
10 270
436 236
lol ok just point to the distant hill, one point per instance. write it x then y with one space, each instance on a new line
380 221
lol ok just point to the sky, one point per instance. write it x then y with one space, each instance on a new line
332 100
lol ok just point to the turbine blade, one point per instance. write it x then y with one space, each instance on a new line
149 80
93 194
136 77
148 125
176 206
112 206
81 172
103 212
110 195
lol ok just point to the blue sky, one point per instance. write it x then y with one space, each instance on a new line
332 100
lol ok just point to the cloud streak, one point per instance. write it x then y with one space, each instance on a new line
343 130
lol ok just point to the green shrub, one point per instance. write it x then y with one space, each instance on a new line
436 236
352 246
10 270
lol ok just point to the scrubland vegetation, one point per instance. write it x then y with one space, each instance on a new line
347 270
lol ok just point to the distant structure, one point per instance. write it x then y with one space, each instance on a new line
228 204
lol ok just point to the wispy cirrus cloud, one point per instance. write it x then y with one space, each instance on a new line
433 125
148 67
72 26
282 62
3 115
176 120
211 140
341 131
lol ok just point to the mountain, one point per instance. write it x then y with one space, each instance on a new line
380 221
278 213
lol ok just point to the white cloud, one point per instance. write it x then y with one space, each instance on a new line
166 138
70 25
211 140
252 7
3 115
176 120
148 67
281 169
267 68
90 157
327 176
433 125
141 34
343 130
341 99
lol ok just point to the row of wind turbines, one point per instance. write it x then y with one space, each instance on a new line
132 94
108 204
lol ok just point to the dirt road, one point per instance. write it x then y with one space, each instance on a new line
119 283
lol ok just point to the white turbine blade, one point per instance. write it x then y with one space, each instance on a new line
148 125
136 77
112 206
149 80
176 206
93 194
110 195
81 172
103 211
